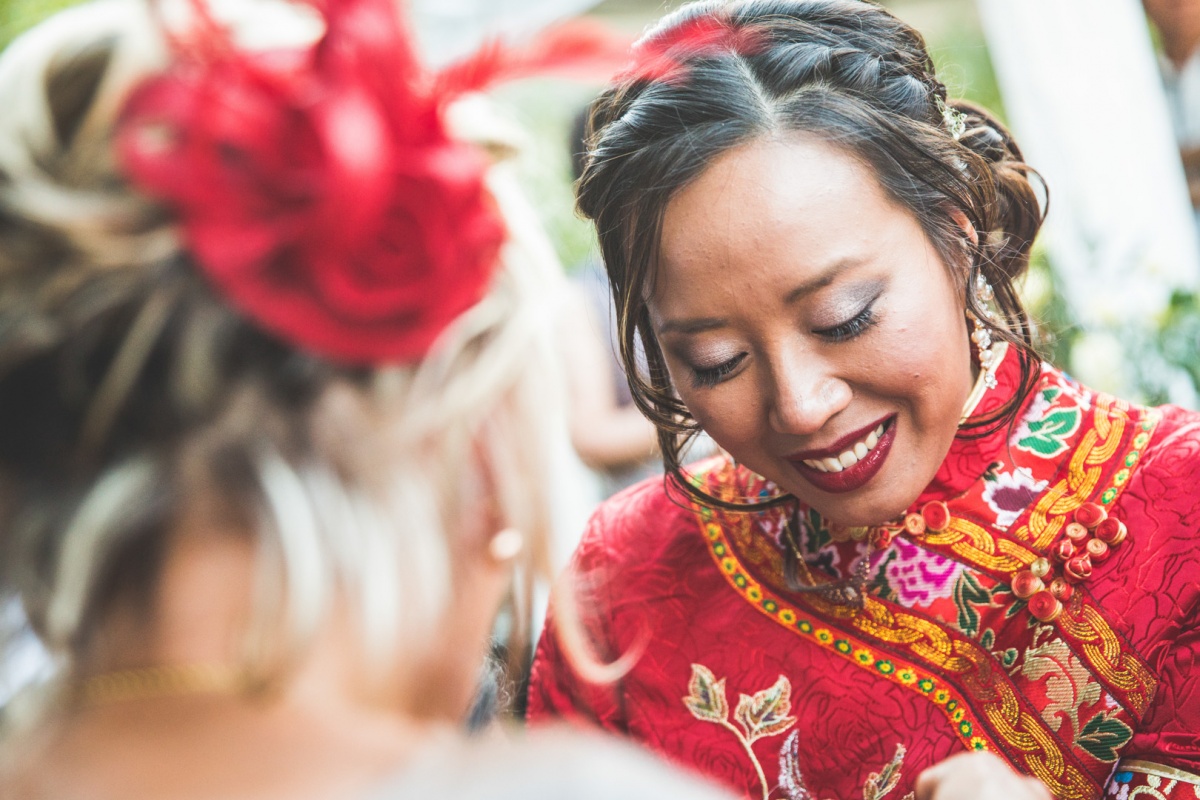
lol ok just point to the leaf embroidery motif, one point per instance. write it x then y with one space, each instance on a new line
968 594
790 776
766 713
1048 436
706 695
1103 735
1069 684
880 784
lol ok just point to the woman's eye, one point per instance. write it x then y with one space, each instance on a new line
851 328
708 377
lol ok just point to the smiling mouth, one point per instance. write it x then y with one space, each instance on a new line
849 464
851 456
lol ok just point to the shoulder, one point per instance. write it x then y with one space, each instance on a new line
638 524
1173 451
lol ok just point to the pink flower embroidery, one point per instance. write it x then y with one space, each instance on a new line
1011 493
918 576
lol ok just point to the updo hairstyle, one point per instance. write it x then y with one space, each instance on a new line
846 72
132 395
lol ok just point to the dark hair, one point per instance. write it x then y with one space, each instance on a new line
846 71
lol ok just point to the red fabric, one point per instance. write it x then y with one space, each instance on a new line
1117 676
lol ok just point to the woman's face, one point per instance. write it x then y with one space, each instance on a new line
812 328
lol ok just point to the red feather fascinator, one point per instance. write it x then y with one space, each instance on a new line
319 189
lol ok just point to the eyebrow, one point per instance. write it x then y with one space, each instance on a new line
699 325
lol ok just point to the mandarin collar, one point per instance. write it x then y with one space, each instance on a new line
969 458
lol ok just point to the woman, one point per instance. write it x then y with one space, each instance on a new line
274 386
923 542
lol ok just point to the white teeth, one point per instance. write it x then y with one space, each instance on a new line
849 458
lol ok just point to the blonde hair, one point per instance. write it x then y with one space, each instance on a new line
129 387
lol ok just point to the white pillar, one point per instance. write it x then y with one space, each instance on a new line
1081 84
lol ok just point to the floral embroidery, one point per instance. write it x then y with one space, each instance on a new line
764 714
1010 493
919 576
791 617
1069 684
1145 779
878 784
1047 430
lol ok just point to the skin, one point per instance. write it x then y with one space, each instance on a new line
335 727
776 244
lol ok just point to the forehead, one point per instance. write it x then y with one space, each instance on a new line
795 206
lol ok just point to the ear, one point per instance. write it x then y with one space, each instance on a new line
961 220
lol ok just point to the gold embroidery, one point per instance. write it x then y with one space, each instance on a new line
761 715
1103 651
1097 447
1069 685
1161 770
1089 633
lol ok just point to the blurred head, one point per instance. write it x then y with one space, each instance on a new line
141 402
791 229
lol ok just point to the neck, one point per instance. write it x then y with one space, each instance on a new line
195 625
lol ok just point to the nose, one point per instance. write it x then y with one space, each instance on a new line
805 393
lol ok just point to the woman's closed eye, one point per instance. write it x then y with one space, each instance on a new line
852 327
707 377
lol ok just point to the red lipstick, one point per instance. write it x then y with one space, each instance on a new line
853 477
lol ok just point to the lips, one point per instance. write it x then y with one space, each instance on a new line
850 462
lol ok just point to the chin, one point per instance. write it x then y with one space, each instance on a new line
867 510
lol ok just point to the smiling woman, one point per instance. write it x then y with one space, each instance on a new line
840 361
921 541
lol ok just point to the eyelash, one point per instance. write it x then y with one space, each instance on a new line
851 328
711 376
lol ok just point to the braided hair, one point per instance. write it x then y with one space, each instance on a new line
845 71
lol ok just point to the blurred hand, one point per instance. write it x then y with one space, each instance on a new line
977 776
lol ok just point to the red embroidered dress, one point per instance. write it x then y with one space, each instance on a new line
782 694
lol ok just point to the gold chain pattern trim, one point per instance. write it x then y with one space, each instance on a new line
1022 732
902 672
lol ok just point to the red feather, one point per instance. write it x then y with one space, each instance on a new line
662 57
580 49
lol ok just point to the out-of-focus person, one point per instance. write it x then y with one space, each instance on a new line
609 432
275 383
1178 25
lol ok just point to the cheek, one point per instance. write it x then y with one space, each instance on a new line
730 413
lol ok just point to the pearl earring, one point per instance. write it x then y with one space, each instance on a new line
506 545
981 336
